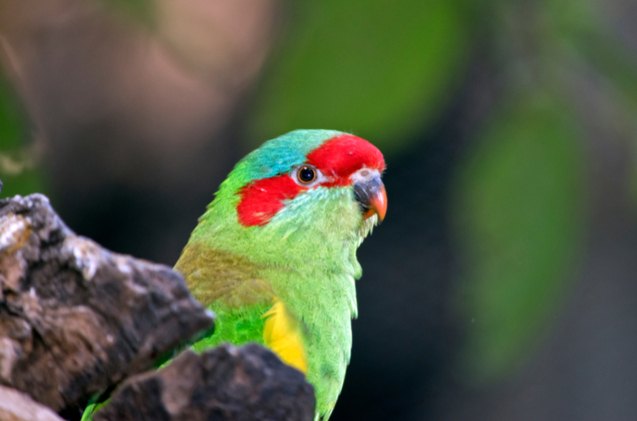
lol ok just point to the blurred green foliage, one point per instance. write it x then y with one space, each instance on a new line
520 220
11 127
16 164
381 70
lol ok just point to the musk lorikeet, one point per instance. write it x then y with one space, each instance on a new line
274 255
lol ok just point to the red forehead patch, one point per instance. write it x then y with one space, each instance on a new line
342 155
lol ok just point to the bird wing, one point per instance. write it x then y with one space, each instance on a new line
217 277
246 307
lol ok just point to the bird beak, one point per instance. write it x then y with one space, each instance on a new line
372 197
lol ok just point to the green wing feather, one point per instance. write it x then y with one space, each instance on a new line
230 286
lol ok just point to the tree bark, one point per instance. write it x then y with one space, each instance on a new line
77 320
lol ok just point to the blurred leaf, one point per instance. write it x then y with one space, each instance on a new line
380 69
520 219
16 171
11 128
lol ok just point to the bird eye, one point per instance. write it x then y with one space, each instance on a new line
305 174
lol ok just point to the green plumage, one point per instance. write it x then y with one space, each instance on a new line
304 257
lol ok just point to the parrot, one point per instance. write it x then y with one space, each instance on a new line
274 253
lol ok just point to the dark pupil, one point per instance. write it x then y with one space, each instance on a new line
306 174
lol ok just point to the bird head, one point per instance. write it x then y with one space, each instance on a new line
313 183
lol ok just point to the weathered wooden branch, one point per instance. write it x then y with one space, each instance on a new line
76 319
226 383
17 406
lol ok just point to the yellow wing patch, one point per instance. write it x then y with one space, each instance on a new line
282 334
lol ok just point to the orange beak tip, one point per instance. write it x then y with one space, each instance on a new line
378 204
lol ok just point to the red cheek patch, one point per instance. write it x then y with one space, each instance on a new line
262 199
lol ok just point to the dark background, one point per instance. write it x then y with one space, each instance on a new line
501 285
